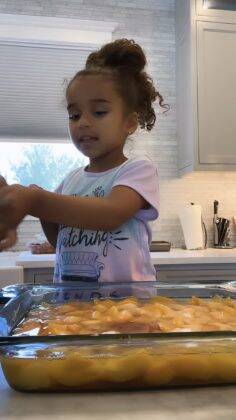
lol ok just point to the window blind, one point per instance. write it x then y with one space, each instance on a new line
32 90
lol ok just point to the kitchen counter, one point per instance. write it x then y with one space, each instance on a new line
174 256
9 271
177 264
186 256
28 260
216 403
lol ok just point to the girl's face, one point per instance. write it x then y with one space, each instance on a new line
97 124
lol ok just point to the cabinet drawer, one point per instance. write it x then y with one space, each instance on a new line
43 278
196 272
38 275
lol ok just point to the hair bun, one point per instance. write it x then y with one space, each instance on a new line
121 53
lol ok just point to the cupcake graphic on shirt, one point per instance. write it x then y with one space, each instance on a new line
81 265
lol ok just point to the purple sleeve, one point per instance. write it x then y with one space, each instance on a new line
141 176
59 188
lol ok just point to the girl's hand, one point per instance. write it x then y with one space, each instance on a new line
9 240
15 204
3 182
35 186
11 234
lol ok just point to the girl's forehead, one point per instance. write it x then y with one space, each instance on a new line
88 87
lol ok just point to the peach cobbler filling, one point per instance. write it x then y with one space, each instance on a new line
130 315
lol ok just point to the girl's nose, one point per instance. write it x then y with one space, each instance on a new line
84 121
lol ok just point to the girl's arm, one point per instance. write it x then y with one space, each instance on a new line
51 231
89 212
86 212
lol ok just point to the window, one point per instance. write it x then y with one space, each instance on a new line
38 54
43 164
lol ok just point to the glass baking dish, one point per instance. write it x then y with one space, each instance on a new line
117 361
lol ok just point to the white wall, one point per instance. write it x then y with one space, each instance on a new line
150 23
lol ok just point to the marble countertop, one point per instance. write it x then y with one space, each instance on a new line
216 403
28 260
174 256
186 256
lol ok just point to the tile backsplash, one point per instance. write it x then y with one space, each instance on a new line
156 18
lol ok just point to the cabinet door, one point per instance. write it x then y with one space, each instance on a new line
220 10
183 100
216 66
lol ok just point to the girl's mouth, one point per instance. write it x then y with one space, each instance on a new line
87 139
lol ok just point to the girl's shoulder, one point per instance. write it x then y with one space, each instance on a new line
71 177
137 163
75 172
139 160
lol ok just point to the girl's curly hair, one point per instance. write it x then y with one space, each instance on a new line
124 61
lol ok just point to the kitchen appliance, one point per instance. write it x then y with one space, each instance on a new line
115 361
194 229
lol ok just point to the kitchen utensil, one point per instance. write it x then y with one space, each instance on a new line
225 226
221 230
216 222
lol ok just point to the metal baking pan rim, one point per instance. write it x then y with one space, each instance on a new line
201 335
57 286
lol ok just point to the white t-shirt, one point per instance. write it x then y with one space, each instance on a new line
119 255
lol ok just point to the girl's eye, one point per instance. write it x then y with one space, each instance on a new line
100 113
74 117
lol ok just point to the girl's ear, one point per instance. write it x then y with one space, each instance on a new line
132 123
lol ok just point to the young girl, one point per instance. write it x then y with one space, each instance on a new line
98 217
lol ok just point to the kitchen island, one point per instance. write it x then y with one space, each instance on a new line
172 257
206 403
176 265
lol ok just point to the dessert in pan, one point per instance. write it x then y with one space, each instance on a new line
130 315
67 344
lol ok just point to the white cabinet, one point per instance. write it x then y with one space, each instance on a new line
220 10
206 89
177 273
187 273
11 275
216 71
